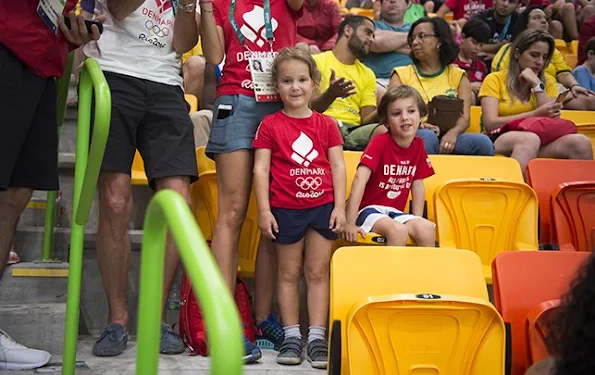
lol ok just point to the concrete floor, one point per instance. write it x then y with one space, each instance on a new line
182 364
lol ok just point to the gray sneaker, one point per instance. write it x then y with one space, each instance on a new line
290 352
170 342
112 341
318 354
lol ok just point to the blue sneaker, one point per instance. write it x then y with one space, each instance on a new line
112 341
251 352
271 334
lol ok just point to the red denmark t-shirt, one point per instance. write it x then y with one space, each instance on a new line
300 170
394 169
467 8
249 15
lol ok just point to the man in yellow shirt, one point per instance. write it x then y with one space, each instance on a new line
347 89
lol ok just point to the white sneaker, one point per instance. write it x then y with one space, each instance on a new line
15 356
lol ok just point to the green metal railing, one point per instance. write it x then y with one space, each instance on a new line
86 171
50 211
166 210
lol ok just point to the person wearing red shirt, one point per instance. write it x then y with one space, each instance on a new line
299 181
319 24
34 43
244 96
463 10
393 164
587 32
474 34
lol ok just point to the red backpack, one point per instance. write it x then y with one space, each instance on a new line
192 328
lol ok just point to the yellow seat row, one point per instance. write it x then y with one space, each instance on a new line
412 311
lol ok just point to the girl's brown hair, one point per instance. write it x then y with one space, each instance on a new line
294 53
400 92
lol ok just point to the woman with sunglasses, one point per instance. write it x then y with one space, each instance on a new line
433 50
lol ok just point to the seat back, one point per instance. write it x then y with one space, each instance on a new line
523 279
425 334
573 211
138 175
544 176
360 272
537 330
589 131
448 167
578 117
352 159
487 217
474 120
192 102
206 210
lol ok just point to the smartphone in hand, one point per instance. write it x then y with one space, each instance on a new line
88 23
562 96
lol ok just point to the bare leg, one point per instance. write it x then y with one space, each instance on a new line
316 272
289 272
571 146
422 231
12 203
113 243
194 75
234 179
521 146
395 232
180 184
265 279
556 29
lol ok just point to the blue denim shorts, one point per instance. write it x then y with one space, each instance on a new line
293 224
235 120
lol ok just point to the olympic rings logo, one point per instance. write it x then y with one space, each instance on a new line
154 29
308 183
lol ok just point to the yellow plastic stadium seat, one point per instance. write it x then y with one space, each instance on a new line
487 217
412 311
449 167
474 120
362 12
192 101
562 46
204 198
137 174
574 47
449 17
579 117
571 60
589 131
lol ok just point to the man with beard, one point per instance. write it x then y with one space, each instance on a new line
347 90
390 48
502 21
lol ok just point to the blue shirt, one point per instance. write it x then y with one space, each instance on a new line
383 63
583 77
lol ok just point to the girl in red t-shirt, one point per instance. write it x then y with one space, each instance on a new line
393 164
299 181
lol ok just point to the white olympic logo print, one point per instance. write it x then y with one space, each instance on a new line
307 183
154 29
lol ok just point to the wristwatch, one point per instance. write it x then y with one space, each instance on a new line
187 7
540 87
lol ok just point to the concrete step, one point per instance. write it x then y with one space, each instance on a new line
182 364
37 325
32 282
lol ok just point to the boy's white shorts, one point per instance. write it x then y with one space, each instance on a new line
369 215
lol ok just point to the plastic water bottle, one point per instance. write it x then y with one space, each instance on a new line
172 306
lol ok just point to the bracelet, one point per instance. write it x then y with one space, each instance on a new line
187 8
574 84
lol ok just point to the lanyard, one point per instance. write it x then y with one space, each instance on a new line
267 22
502 36
174 5
471 7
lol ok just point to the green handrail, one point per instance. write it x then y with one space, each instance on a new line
86 171
168 209
50 210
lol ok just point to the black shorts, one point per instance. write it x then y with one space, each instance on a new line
153 118
28 128
293 224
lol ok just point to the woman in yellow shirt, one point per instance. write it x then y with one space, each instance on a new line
525 91
558 69
433 50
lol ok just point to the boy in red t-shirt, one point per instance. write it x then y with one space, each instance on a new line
393 164
473 36
299 181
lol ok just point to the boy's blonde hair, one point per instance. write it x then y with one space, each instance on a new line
295 53
400 92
